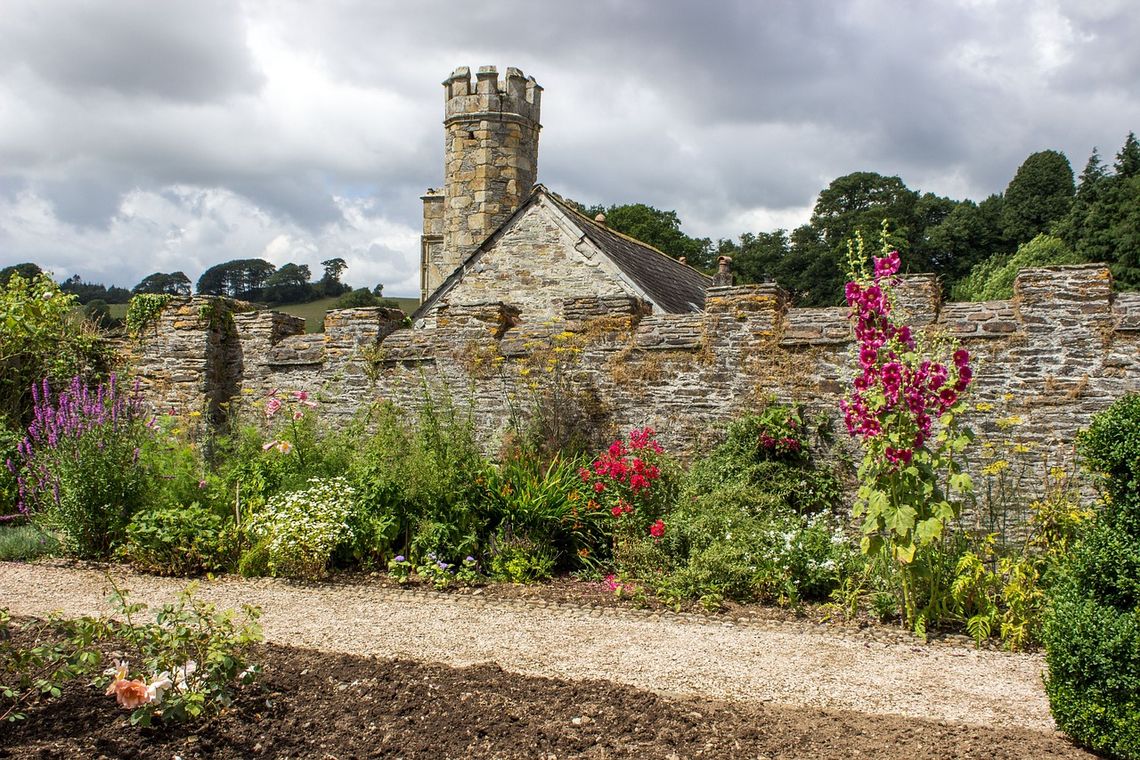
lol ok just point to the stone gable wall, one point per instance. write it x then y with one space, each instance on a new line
1063 349
533 264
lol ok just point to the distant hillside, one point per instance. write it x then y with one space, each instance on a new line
312 312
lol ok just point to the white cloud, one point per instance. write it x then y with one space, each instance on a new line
183 134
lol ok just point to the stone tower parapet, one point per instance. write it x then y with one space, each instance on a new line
490 163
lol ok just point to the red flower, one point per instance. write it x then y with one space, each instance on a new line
599 487
657 529
616 511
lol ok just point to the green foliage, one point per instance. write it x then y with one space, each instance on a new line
173 283
10 438
175 541
237 278
363 297
736 546
541 509
25 542
420 476
81 469
144 310
969 235
302 530
1092 636
754 520
28 270
190 658
1039 194
1104 222
1111 451
57 651
518 560
992 280
41 336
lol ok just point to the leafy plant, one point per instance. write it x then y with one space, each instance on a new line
24 542
522 561
79 469
175 541
1092 635
144 309
57 651
190 658
535 503
911 477
42 338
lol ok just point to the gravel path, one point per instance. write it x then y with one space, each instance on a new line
685 655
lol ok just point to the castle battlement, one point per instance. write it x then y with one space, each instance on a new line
516 97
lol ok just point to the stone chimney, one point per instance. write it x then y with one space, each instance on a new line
723 276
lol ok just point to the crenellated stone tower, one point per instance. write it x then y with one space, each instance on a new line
490 166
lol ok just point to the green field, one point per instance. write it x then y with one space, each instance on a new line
312 312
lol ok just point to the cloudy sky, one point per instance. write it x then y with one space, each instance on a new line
152 135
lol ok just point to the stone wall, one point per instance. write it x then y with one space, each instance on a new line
1064 348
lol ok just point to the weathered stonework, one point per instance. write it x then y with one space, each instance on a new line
536 264
490 165
1063 349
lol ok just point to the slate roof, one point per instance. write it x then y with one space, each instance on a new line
677 288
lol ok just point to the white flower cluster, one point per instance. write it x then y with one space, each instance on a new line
302 529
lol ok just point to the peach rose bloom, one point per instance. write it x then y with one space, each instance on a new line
130 694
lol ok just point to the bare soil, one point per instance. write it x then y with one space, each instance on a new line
317 705
554 672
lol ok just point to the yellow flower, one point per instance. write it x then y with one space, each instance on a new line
195 413
995 467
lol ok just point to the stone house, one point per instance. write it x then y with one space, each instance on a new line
492 235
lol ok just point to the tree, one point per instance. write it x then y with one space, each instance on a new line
330 285
1128 159
42 336
758 256
856 202
1103 223
27 270
289 284
174 283
363 297
239 278
992 279
1040 193
969 235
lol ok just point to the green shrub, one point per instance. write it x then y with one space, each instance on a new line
522 561
175 540
1092 636
420 480
755 519
992 279
24 542
42 336
302 530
